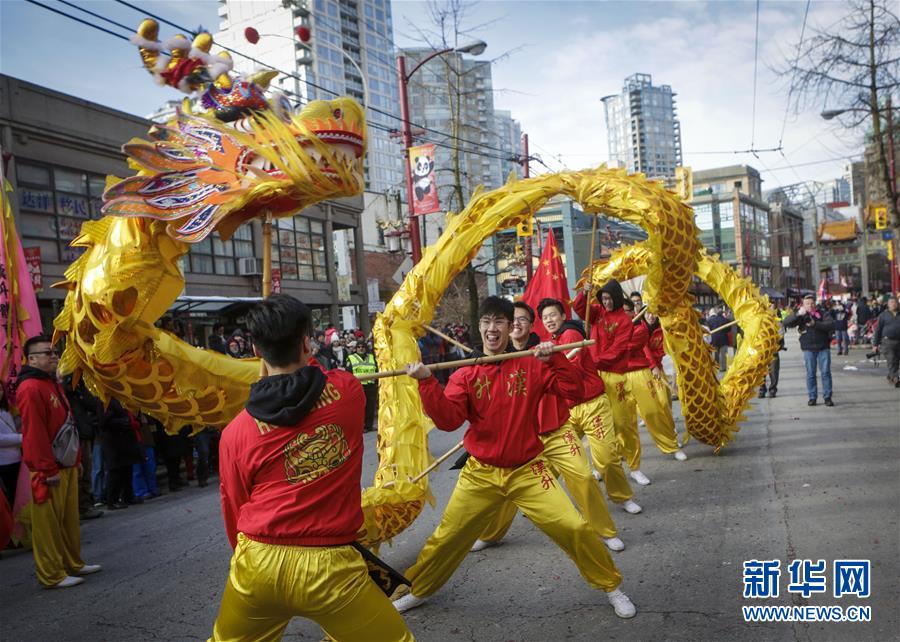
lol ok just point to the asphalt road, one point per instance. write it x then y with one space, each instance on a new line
797 483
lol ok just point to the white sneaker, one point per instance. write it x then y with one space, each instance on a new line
630 506
596 474
641 423
410 601
680 456
621 604
88 569
640 477
481 544
614 543
66 582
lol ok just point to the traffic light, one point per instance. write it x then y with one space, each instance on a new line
526 227
881 217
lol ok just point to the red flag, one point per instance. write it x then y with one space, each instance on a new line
549 281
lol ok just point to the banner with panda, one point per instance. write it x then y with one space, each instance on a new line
421 166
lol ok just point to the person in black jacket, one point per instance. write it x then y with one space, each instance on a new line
887 338
121 451
816 326
88 412
841 318
719 340
217 339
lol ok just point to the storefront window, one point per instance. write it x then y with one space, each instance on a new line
301 243
54 202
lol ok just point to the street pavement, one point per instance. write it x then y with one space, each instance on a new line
797 483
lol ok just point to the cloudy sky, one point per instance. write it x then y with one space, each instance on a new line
564 56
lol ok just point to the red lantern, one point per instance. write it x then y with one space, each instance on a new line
303 33
252 35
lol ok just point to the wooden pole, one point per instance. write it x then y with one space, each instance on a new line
587 308
637 317
437 462
267 255
443 336
493 358
722 327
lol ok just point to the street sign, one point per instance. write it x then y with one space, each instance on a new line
403 270
513 284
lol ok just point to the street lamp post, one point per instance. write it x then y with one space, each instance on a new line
476 48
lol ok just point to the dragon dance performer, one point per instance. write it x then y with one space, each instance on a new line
559 432
290 469
611 330
649 395
500 401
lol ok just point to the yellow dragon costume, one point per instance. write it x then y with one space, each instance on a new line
247 155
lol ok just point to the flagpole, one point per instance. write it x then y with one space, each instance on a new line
587 311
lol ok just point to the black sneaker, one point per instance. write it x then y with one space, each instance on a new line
762 394
811 402
828 401
772 393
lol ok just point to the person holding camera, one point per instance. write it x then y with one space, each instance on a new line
816 326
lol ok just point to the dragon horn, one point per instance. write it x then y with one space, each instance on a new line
148 45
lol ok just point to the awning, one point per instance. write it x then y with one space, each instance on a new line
210 304
772 293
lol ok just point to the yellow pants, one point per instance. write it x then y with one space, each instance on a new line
594 420
56 533
270 584
480 492
654 403
563 449
624 414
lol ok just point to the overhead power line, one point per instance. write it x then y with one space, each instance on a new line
305 80
300 98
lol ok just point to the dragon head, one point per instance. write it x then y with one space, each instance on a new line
245 156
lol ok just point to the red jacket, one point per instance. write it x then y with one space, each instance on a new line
593 384
43 407
637 347
611 331
297 485
656 348
501 402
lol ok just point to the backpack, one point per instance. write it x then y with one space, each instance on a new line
65 444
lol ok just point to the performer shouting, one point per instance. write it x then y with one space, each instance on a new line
650 394
611 328
290 466
501 401
558 432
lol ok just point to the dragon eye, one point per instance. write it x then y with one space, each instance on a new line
337 114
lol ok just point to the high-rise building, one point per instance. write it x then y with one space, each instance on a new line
509 139
734 220
642 131
433 92
346 38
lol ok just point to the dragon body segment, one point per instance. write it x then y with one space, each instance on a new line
211 172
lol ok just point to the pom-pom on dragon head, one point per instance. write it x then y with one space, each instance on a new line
244 155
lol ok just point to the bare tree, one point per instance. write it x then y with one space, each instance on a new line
852 69
448 23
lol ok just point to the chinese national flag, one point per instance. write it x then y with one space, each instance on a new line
549 281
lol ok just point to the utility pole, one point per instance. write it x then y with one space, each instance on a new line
892 194
529 268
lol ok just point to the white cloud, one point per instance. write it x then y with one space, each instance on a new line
706 53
